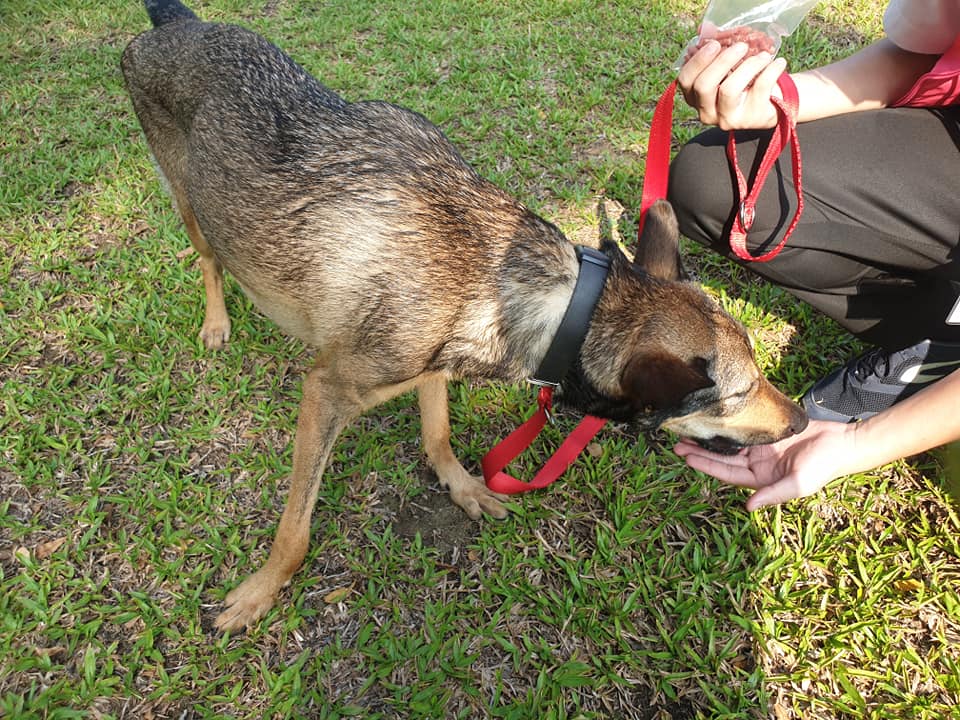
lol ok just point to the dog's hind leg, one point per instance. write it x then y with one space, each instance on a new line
216 322
466 490
169 150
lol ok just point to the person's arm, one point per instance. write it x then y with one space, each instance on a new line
733 91
801 465
923 421
869 79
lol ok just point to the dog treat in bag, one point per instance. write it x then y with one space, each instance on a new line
760 25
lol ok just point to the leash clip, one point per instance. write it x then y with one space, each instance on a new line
545 397
748 213
543 383
545 401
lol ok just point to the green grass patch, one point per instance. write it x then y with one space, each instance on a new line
141 476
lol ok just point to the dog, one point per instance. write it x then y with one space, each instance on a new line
358 228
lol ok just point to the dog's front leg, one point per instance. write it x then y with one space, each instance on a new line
320 421
467 491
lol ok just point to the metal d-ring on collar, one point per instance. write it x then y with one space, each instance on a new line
573 328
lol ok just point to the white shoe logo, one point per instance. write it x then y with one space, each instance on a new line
954 317
925 373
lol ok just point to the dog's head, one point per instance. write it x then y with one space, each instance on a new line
661 352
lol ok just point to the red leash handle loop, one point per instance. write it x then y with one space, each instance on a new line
655 181
785 133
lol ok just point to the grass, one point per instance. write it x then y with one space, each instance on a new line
141 476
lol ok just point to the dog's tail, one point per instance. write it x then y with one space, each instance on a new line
164 11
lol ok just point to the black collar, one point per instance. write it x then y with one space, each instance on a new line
576 320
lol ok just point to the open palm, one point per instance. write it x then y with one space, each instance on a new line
792 468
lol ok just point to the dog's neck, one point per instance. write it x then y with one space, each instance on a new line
535 286
545 289
564 349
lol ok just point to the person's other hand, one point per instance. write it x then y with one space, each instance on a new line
730 89
792 468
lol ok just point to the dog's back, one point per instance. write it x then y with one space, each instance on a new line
327 202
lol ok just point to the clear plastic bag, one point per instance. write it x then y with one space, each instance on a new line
761 25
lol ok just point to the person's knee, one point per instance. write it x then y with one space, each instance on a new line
699 187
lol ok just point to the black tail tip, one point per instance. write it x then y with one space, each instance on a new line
164 11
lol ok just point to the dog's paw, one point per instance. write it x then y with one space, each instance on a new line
215 333
475 498
246 604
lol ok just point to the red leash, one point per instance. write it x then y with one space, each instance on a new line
784 133
657 170
520 439
655 183
657 173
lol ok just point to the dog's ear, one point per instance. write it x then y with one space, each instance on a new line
658 248
659 380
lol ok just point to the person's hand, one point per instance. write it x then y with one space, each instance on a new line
730 89
793 468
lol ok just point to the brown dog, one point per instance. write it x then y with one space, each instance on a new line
359 229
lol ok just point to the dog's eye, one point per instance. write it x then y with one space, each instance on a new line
701 365
738 398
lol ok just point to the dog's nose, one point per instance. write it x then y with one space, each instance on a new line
798 422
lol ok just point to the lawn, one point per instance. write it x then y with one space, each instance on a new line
142 476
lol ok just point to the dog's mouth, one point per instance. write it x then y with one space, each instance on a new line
721 445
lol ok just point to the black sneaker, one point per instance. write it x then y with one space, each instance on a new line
877 379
